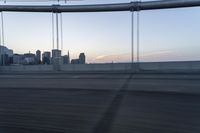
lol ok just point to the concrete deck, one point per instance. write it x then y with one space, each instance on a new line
99 103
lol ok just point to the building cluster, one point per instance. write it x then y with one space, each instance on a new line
7 57
80 60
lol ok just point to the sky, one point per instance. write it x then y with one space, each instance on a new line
165 35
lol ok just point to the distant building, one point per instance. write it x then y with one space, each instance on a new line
82 58
56 53
66 59
5 50
38 57
75 61
46 57
6 55
56 57
18 59
5 59
29 59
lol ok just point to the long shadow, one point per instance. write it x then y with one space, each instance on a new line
106 122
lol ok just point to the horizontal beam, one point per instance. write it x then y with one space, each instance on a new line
132 6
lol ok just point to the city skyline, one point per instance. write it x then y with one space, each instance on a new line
55 56
105 37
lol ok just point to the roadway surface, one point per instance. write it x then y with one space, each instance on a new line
99 103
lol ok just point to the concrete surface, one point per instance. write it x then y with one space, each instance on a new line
186 66
99 103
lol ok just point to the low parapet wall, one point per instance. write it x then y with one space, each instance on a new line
26 68
97 67
171 66
144 66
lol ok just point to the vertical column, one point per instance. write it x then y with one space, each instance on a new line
1 49
132 40
61 32
2 33
57 33
53 38
137 35
2 59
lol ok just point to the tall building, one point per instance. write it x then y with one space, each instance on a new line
38 57
56 57
75 61
29 59
56 53
5 59
82 58
68 56
46 57
18 59
6 55
5 50
66 59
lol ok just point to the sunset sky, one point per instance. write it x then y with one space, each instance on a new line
166 35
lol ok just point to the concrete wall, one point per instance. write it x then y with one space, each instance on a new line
171 66
147 66
26 68
96 67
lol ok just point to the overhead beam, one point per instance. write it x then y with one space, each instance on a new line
132 6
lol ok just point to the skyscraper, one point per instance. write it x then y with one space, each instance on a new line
68 56
38 57
29 58
56 57
66 59
46 57
5 55
18 59
82 58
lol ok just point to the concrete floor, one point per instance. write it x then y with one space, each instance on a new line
99 103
